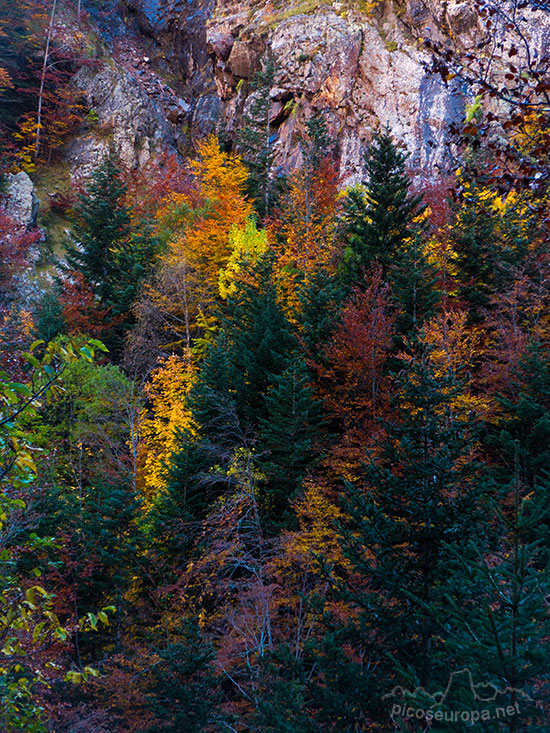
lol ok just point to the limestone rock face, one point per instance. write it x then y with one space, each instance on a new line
358 74
21 202
361 70
122 114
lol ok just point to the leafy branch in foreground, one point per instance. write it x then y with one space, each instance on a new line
28 623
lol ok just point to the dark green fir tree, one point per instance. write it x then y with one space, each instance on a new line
414 290
287 436
48 318
228 399
256 139
501 634
110 253
522 435
379 216
320 300
416 507
476 245
318 144
186 693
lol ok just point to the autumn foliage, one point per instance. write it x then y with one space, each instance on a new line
310 466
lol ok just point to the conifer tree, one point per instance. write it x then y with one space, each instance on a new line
49 321
101 228
477 250
228 399
414 510
414 290
320 299
287 435
258 339
501 632
283 695
379 217
318 144
522 436
186 692
112 257
255 140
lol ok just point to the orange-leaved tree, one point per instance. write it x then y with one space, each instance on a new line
199 226
223 206
305 227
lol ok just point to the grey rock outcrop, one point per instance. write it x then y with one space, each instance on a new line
123 115
358 74
21 203
361 70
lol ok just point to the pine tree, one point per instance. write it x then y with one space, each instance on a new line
287 436
101 228
318 144
379 217
185 693
283 695
414 510
320 300
477 250
522 435
501 632
255 140
112 257
49 321
414 290
228 399
259 338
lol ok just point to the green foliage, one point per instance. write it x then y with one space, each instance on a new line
283 694
416 507
109 252
228 399
185 691
318 140
379 216
287 435
27 609
255 339
91 412
320 300
476 243
522 436
255 140
49 321
414 288
503 629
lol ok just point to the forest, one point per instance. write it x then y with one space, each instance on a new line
275 450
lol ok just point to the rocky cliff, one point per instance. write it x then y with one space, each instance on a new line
359 64
182 68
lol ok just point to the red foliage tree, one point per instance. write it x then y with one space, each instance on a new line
80 309
352 373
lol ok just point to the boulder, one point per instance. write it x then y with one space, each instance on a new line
21 203
242 60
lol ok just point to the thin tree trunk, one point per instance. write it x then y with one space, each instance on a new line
43 80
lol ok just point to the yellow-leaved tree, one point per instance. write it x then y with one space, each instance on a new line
166 392
200 227
247 245
223 205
